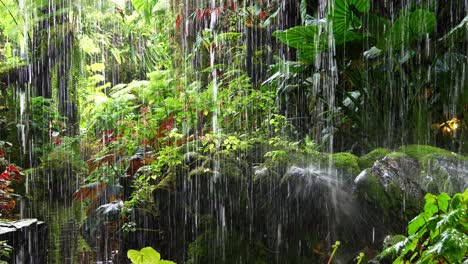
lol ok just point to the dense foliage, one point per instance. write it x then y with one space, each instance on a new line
112 98
437 235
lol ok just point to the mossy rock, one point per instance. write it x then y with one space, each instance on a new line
422 153
396 154
370 189
393 185
441 170
228 248
346 163
368 160
168 182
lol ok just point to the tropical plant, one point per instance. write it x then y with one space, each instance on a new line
367 45
146 255
5 251
10 174
438 235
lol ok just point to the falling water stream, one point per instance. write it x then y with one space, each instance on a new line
278 180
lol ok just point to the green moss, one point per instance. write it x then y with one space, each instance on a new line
396 154
368 160
201 171
376 192
167 182
346 162
422 153
205 249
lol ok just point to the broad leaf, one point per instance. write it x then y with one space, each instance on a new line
298 36
422 22
146 255
415 224
145 7
306 39
443 201
452 246
345 14
431 204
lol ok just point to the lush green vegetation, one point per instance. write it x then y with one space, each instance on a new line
140 102
438 235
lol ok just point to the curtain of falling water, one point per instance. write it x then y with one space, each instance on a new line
326 63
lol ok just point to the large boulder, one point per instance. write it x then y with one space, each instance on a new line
392 185
397 182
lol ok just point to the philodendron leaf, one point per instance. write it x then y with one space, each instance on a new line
422 22
344 14
306 39
409 26
298 36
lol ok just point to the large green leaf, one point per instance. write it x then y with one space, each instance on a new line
452 245
408 27
400 32
306 39
347 36
146 255
345 14
422 22
415 224
299 36
145 7
377 26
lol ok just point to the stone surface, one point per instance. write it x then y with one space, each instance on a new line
392 185
444 174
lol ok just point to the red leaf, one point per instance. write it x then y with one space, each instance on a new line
178 21
5 176
263 15
234 5
200 14
12 168
2 154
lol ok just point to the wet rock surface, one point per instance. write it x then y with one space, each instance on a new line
27 237
217 208
444 174
396 184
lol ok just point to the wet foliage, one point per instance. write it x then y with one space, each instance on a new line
437 235
237 131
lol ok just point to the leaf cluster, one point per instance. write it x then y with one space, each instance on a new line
438 235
